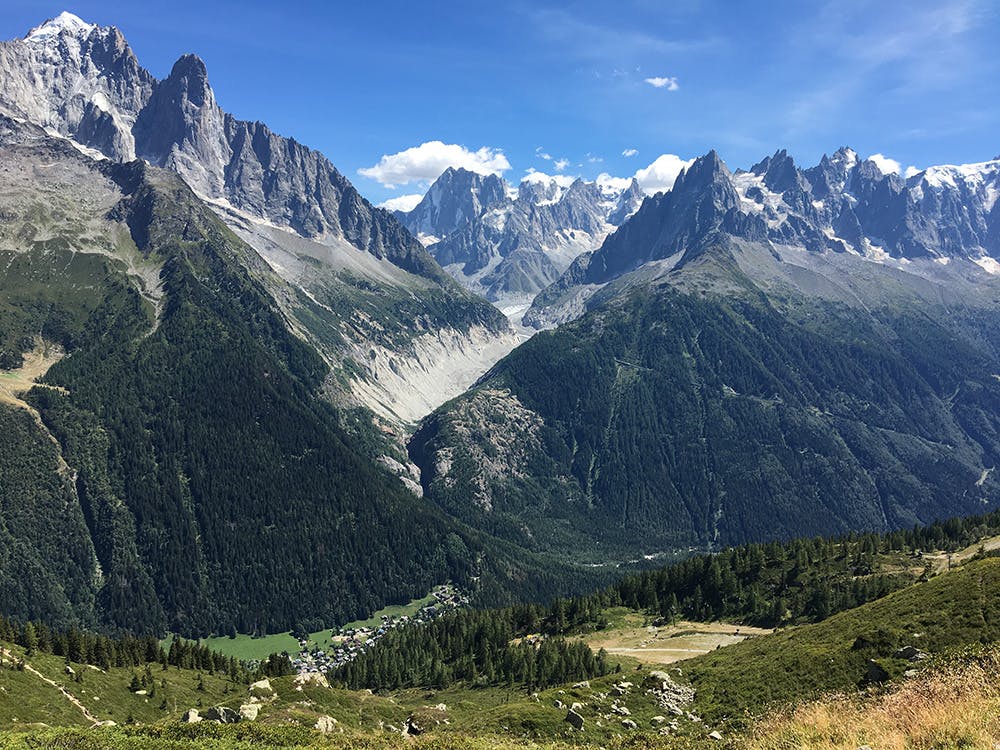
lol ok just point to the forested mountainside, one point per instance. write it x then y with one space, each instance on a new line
730 388
179 465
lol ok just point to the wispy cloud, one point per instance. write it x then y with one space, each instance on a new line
560 164
663 82
618 47
630 152
923 49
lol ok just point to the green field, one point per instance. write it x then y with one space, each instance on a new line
249 647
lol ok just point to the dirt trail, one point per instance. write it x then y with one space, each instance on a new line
942 561
66 694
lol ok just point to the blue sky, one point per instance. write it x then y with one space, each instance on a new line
501 85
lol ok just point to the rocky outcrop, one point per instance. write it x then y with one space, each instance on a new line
506 244
83 82
843 205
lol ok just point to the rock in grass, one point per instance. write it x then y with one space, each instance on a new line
575 720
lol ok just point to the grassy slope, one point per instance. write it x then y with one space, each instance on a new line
105 695
950 610
956 705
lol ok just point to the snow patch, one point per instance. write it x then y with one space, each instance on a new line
988 264
64 23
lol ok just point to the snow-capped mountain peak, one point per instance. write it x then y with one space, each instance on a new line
65 23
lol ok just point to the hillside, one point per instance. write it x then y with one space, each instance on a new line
180 466
948 612
670 418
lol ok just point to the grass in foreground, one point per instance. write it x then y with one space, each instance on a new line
955 706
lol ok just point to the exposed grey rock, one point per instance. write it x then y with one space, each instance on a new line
223 715
875 673
84 82
191 716
326 724
507 248
629 724
249 711
842 205
575 719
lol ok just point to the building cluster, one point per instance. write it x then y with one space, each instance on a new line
348 642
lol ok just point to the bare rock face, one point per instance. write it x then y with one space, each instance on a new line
78 80
83 82
508 244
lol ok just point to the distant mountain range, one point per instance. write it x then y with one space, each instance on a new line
754 355
507 244
843 205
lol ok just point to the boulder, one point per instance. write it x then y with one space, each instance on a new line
310 679
261 687
629 724
575 719
585 685
715 736
223 715
910 653
326 724
576 707
249 711
657 720
69 670
875 673
558 703
191 716
657 680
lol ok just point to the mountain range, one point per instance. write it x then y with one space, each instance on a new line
508 244
237 396
751 355
344 261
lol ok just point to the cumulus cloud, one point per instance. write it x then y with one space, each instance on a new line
630 152
426 162
561 164
562 180
663 82
402 202
891 166
609 184
660 175
885 164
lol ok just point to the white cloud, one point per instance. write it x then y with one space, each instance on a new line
594 159
402 202
540 152
630 152
885 164
609 184
426 162
660 175
562 180
561 164
663 82
891 166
